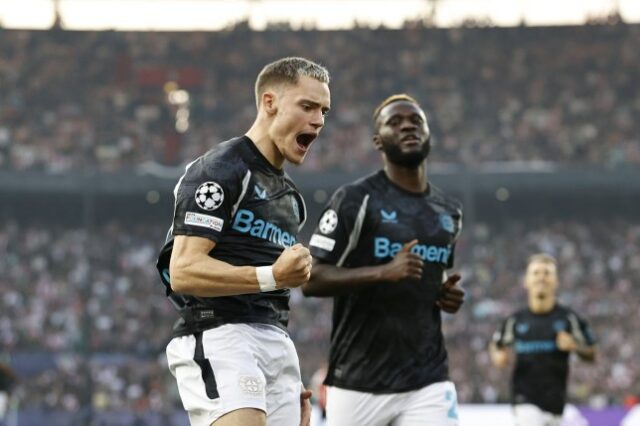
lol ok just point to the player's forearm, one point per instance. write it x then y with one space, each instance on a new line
329 280
586 353
499 356
204 276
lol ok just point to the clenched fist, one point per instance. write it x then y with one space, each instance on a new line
451 295
405 265
566 342
293 267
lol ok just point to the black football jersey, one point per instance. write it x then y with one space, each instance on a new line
252 210
387 336
541 369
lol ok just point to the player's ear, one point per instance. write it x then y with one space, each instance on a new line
269 102
377 142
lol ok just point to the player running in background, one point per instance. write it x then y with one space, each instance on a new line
381 249
232 255
542 336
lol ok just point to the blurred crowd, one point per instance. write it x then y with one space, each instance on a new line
114 101
85 320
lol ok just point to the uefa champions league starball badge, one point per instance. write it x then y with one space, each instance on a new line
209 196
328 222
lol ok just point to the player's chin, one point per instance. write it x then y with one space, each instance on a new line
296 158
297 155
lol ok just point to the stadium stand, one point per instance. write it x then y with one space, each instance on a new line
99 100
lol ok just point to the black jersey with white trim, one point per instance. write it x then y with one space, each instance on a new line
541 369
387 337
232 195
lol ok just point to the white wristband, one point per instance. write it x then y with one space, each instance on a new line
265 278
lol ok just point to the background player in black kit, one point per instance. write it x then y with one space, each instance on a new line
542 337
381 249
232 256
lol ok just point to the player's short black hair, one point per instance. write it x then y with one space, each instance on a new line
288 70
400 97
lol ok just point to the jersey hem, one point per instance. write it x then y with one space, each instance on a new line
192 328
191 233
378 391
546 410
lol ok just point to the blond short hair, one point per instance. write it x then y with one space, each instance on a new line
542 258
288 71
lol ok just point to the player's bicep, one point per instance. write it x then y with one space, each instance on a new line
188 248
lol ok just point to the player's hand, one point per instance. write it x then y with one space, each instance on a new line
293 267
405 265
305 407
451 295
566 342
499 356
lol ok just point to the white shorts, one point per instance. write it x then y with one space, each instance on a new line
4 404
433 405
237 366
532 415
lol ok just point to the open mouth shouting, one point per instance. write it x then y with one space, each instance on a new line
304 140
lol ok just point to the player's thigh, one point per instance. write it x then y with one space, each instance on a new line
198 399
529 415
216 373
242 417
433 405
279 361
553 419
350 408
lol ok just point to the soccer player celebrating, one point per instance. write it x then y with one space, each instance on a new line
232 256
381 249
542 336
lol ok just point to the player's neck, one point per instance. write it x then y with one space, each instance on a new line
412 179
538 306
260 137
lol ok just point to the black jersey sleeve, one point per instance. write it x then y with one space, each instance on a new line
339 227
205 198
580 330
504 336
456 219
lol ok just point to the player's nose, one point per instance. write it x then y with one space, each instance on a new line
317 120
407 125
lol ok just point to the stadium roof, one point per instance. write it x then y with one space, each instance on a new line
185 15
